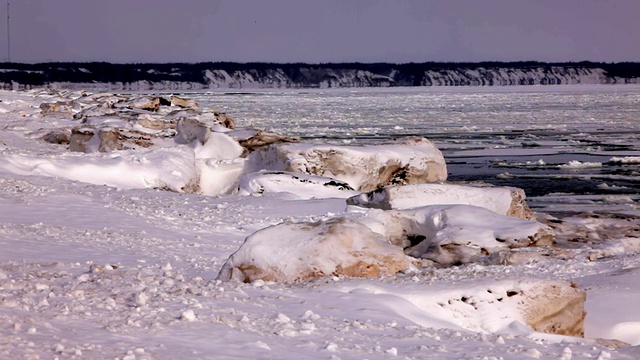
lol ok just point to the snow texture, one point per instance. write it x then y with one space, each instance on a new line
100 261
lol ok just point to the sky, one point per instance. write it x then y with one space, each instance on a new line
316 31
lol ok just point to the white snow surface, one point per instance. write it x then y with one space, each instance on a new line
100 261
411 196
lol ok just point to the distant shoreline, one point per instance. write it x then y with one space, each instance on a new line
229 75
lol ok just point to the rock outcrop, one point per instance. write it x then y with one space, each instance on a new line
502 200
292 252
364 168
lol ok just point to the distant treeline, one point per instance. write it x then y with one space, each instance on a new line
42 74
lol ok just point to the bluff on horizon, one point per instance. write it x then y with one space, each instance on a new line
184 76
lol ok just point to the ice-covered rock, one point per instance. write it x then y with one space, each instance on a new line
291 252
79 138
218 162
303 186
502 200
454 234
363 167
190 130
555 307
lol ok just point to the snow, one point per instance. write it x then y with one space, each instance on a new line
496 199
575 164
626 160
104 256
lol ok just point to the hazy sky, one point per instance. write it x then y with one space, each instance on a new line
321 30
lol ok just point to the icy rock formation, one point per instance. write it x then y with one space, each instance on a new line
364 168
502 200
291 252
302 186
115 122
453 234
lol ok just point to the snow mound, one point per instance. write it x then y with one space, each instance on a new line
625 160
575 164
454 234
364 168
301 185
168 168
502 200
291 252
514 306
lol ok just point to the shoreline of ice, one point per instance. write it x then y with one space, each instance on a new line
95 259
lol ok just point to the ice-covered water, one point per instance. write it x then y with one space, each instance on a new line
547 139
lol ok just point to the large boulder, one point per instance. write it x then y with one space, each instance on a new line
363 167
291 252
555 307
454 234
502 200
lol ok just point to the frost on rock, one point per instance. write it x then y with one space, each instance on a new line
454 234
363 167
291 252
502 200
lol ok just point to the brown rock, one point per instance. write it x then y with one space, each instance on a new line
57 137
291 252
263 138
554 308
184 103
109 140
225 120
79 138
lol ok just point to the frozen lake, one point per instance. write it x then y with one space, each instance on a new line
556 142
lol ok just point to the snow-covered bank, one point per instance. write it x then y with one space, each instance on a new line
172 77
98 271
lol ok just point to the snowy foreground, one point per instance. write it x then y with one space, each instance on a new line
121 249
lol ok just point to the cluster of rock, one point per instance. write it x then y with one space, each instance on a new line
110 122
400 214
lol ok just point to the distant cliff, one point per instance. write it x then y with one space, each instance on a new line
178 76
